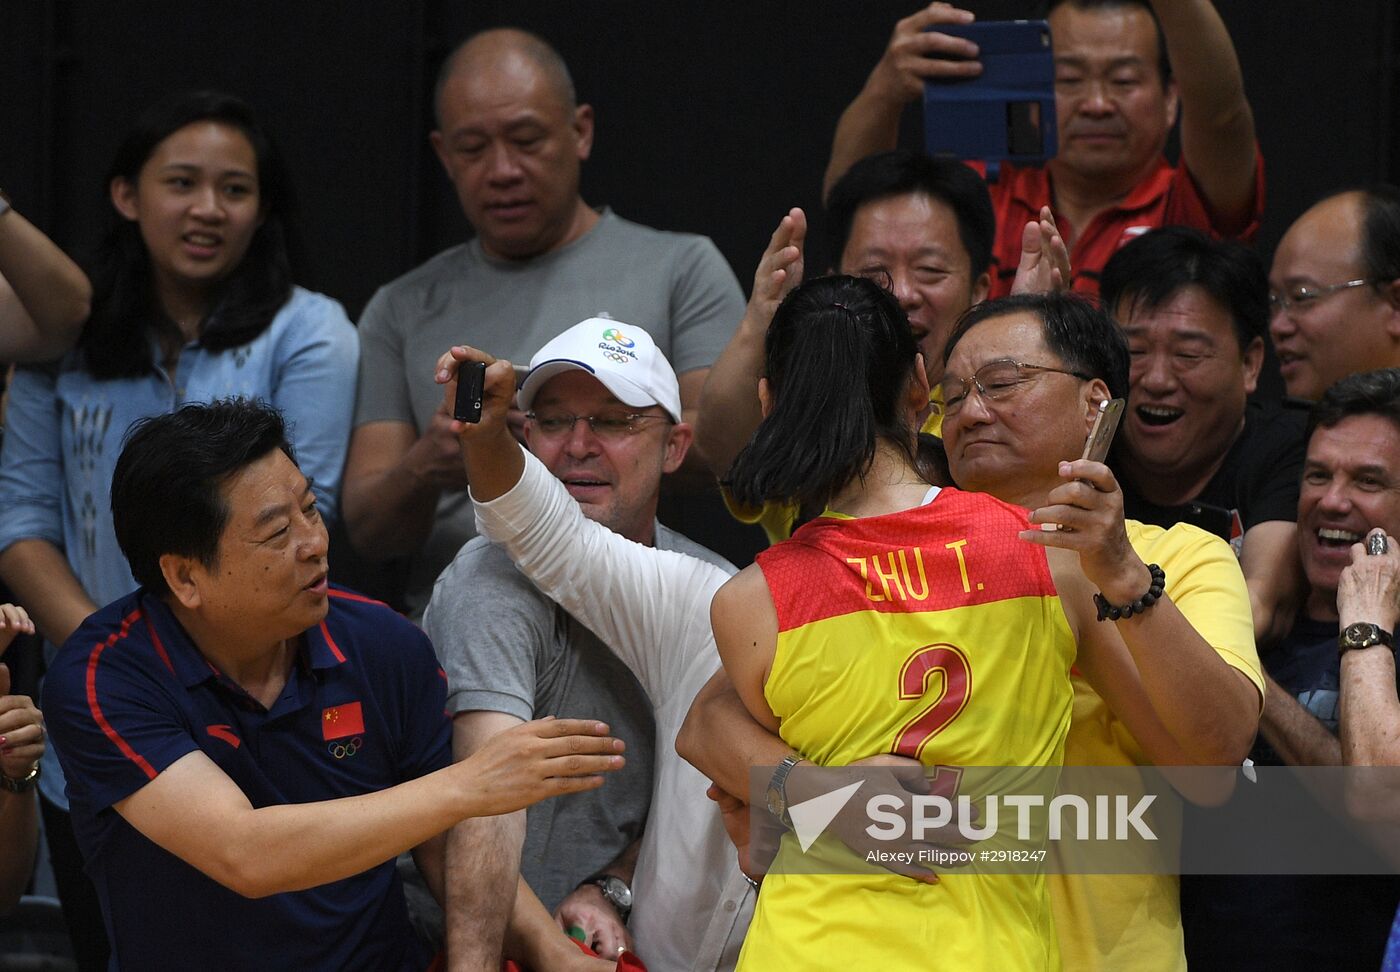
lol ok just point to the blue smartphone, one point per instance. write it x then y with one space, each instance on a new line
1007 113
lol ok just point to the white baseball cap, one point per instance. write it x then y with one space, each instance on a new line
622 356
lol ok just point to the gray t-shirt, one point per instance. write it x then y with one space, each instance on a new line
508 648
675 285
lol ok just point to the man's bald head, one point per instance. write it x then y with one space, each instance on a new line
1336 290
511 50
512 140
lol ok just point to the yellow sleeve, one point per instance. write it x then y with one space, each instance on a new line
1205 582
775 518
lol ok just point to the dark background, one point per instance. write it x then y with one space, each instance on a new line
711 117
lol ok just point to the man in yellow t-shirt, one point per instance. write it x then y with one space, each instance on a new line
1203 699
1133 921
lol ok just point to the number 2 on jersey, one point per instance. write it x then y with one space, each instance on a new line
948 664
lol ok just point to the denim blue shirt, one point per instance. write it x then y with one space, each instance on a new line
64 430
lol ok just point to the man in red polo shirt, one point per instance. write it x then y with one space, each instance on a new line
1116 100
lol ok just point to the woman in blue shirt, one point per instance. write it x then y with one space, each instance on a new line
192 300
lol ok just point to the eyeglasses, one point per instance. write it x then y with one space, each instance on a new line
996 380
609 426
1301 296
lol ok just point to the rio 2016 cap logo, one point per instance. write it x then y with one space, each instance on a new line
616 337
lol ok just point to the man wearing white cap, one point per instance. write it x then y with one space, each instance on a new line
603 414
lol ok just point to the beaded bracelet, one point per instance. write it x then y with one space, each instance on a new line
1114 612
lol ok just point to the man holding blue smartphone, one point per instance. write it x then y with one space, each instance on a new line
1124 71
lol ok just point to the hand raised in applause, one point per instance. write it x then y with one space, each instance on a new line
21 723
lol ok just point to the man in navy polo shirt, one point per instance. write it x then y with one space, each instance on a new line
247 749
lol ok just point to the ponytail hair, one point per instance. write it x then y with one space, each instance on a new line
838 358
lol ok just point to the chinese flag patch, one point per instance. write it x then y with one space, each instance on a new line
343 720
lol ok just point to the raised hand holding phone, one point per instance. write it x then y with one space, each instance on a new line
471 376
492 457
1096 447
485 406
1085 512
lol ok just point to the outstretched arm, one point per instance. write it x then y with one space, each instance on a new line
1217 125
914 55
580 564
44 297
194 811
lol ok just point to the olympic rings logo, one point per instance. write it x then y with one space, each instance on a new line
616 336
614 356
344 750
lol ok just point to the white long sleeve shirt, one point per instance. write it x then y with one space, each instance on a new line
691 905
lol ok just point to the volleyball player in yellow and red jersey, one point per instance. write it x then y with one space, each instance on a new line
1181 688
906 619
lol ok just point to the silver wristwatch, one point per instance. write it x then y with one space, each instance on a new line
617 892
776 797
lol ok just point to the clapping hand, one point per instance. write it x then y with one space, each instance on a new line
21 724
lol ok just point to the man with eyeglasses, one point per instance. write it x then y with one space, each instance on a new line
1010 442
1193 448
1334 290
603 414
